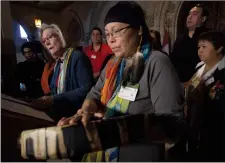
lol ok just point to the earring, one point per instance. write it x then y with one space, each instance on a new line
139 46
137 65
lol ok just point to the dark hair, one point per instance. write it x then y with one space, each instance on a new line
204 11
96 29
216 38
156 43
131 13
27 45
100 31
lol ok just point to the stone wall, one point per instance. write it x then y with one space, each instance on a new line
26 15
74 20
77 19
159 15
79 14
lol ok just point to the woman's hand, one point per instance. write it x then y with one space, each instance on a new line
81 115
43 102
89 109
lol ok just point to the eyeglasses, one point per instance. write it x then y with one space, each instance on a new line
49 38
116 33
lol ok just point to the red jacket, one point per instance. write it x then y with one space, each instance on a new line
97 58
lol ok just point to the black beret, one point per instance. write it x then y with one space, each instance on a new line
126 12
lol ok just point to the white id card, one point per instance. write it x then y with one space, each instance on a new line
128 93
93 56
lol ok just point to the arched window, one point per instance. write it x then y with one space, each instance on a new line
23 34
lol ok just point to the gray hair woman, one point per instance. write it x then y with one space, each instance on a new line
137 80
56 39
72 78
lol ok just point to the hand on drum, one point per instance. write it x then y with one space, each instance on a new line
82 116
42 103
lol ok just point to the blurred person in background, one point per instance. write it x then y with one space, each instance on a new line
184 54
29 72
97 52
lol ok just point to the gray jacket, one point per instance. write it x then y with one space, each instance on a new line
160 92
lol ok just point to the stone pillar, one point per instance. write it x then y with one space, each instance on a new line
8 52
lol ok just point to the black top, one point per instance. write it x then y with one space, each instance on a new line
184 55
206 133
29 74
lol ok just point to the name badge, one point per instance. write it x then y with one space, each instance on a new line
22 87
128 93
209 81
93 56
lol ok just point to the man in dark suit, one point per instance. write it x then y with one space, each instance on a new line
184 55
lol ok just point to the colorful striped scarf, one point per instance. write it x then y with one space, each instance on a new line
58 79
62 75
113 103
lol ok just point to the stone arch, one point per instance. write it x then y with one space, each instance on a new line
179 9
72 28
76 22
27 27
93 18
169 18
88 25
176 19
162 17
18 41
26 21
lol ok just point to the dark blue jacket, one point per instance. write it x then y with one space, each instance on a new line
79 80
206 120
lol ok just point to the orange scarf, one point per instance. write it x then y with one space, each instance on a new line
110 80
48 69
